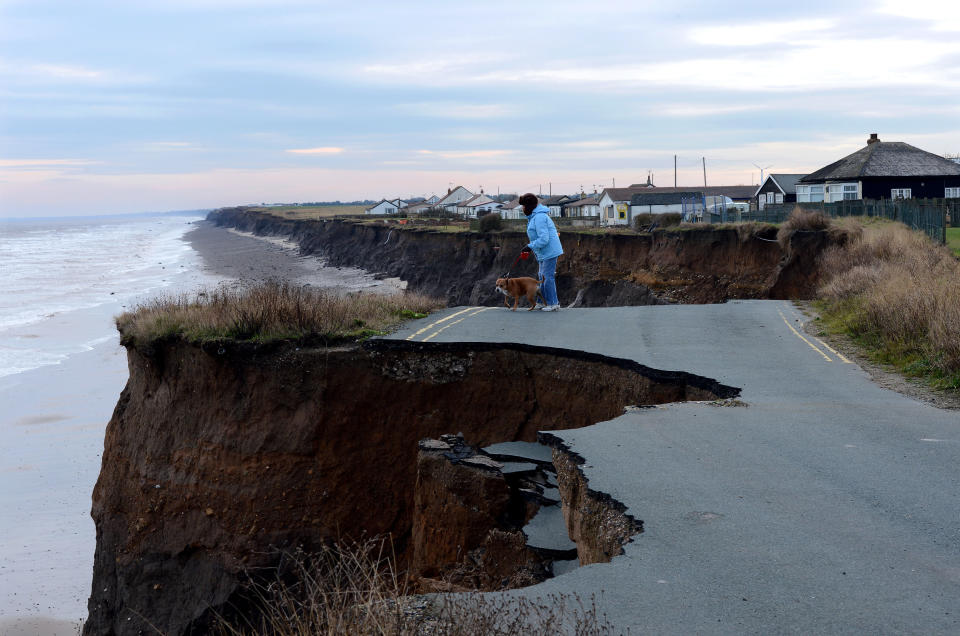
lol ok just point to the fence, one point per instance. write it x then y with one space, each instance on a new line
927 215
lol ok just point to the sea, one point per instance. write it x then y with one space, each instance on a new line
62 282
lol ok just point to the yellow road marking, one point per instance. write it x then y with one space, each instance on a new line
434 324
435 333
832 350
797 333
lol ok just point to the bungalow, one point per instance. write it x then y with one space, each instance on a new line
418 208
614 204
777 188
469 208
453 197
664 202
555 204
587 206
385 207
512 210
882 170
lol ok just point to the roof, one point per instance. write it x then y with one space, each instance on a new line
623 194
556 199
591 200
443 199
885 159
786 182
734 191
509 205
664 198
475 200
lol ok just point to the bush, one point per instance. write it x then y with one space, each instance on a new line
491 222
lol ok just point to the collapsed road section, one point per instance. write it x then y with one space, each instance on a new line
217 458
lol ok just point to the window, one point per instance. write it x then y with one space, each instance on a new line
842 191
851 191
816 193
900 193
951 193
803 194
778 198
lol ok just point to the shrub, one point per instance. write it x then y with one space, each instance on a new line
491 222
668 219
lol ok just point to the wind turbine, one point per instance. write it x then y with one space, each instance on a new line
761 172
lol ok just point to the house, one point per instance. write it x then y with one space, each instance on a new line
587 206
477 206
432 200
664 202
452 198
512 210
777 188
418 208
384 207
616 203
882 170
555 203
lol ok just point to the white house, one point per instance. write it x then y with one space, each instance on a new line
512 210
453 197
614 204
470 207
384 207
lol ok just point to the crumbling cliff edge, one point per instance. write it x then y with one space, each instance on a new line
692 265
217 457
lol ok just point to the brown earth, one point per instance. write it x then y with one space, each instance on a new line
216 458
694 265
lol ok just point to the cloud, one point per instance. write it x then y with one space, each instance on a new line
942 16
322 150
757 33
30 163
456 110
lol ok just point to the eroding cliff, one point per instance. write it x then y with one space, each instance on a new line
215 458
694 265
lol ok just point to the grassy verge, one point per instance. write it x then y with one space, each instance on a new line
897 295
953 240
269 312
312 211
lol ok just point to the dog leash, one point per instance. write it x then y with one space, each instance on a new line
522 256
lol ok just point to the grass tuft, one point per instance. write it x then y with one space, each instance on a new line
801 220
269 312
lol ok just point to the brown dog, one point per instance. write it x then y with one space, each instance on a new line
517 287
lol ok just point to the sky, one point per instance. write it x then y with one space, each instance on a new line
117 106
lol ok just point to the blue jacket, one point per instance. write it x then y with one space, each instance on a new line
544 239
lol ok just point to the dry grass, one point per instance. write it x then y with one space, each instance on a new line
268 312
898 293
313 212
355 589
801 220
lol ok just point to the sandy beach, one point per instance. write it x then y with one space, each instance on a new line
248 259
53 420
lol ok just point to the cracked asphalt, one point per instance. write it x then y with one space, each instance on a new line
827 504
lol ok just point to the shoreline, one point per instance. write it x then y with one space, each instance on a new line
248 259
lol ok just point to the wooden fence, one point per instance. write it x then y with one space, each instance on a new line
928 215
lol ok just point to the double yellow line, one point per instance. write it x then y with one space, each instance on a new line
813 346
469 311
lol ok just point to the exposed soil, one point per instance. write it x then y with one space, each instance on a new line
216 458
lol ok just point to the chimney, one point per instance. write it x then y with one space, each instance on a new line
873 139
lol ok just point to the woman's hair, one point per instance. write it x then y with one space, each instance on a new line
528 201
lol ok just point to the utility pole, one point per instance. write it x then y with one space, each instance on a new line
550 191
674 171
614 182
704 172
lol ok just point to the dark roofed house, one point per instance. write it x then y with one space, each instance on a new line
585 206
883 170
778 188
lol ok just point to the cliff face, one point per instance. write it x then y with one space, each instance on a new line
214 459
692 266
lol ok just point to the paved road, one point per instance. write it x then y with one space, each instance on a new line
827 505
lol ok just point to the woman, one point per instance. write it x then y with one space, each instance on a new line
545 244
